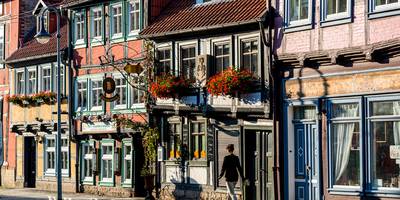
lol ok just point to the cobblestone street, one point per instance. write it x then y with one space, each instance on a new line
33 194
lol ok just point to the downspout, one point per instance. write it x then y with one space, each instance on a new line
266 38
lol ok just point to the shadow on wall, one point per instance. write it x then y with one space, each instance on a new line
182 190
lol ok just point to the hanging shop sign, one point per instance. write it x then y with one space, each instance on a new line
109 88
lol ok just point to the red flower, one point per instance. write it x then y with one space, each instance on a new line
167 86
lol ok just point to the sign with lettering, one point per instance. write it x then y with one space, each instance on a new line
109 88
210 143
99 127
394 151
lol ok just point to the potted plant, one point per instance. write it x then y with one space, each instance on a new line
168 86
230 82
149 141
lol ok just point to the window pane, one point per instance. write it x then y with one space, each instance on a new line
188 62
20 83
385 108
345 110
385 169
346 154
304 112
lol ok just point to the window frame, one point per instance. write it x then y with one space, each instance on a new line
124 181
121 106
369 120
330 122
78 43
240 40
2 42
51 171
88 180
79 108
131 90
192 134
97 40
41 68
54 83
102 181
298 25
164 49
116 37
91 107
216 43
133 33
337 18
386 10
18 83
27 82
187 45
178 123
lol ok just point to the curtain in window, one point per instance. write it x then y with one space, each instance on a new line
342 140
396 124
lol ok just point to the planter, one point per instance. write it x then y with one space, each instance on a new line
169 86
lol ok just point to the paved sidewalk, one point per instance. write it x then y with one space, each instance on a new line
33 194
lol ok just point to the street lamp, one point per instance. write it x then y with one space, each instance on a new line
43 37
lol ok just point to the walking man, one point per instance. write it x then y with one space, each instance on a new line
231 169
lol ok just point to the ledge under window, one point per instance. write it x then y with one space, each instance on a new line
80 44
299 26
379 13
106 183
336 19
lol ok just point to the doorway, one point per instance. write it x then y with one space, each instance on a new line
257 164
29 162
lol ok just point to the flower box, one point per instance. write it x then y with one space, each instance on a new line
169 86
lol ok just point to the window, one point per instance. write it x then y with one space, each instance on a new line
50 158
138 95
164 58
46 79
88 162
174 141
134 16
97 25
383 8
95 94
19 82
31 87
198 140
107 162
335 12
79 27
222 57
298 13
116 20
2 43
62 78
188 62
82 95
127 155
385 139
249 56
120 89
345 144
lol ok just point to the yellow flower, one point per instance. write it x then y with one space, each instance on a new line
196 154
178 154
171 154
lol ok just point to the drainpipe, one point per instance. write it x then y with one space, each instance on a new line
266 38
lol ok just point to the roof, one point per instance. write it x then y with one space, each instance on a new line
186 16
34 50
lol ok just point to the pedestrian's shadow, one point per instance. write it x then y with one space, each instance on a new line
189 190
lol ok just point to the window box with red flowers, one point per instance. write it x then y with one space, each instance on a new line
169 86
231 82
33 100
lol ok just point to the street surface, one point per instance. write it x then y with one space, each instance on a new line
33 194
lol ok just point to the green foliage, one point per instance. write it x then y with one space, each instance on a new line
149 141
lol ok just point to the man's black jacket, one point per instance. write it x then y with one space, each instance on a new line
230 168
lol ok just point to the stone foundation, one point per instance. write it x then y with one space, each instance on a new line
108 191
185 192
8 177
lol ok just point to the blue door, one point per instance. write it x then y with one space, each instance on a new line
306 161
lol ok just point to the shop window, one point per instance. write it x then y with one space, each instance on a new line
96 21
31 81
198 140
250 56
88 162
127 155
385 139
345 144
116 20
164 59
20 82
174 144
50 156
107 162
188 61
46 78
134 17
222 56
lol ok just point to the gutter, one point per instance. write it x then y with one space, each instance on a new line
31 58
205 28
